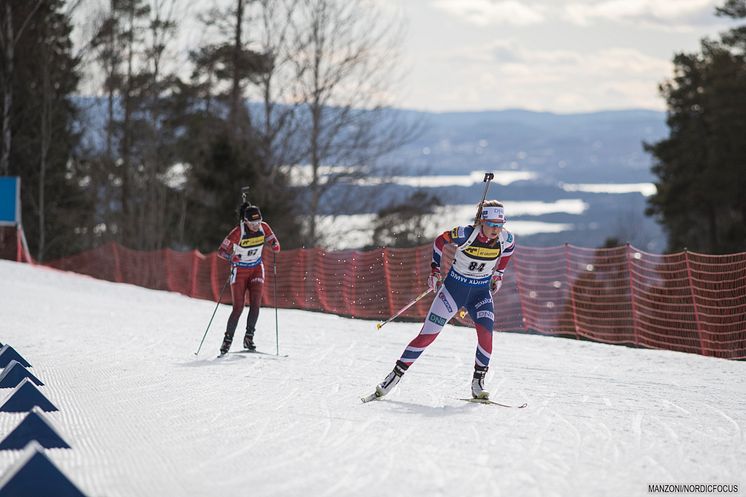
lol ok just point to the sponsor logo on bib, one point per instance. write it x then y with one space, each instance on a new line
483 252
252 242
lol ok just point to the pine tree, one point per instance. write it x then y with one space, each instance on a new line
219 140
404 224
701 166
41 77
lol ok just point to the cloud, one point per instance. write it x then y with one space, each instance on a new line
669 15
511 56
506 74
486 12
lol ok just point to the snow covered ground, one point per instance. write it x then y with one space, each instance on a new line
145 417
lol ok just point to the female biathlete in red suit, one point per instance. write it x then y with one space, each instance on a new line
243 249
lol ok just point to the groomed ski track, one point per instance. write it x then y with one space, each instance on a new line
145 417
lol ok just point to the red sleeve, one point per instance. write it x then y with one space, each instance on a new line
225 251
503 262
438 244
270 238
508 250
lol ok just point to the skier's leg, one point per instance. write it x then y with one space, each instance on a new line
441 311
481 310
238 290
256 287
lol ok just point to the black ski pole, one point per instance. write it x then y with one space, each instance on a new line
487 178
213 312
274 291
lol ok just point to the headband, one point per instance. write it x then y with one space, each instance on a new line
490 212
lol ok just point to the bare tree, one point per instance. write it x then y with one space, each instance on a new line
233 60
46 140
275 27
154 209
39 78
130 54
346 54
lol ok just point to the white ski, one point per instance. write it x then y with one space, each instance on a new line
493 403
370 397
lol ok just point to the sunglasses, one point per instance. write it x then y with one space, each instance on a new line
493 224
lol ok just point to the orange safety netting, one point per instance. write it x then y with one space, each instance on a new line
686 301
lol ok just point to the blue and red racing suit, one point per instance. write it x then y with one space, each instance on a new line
467 285
243 248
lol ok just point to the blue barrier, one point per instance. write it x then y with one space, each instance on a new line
14 373
34 475
24 397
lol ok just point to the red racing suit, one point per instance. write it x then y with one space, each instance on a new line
243 249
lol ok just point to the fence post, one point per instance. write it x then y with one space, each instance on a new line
517 272
195 258
303 275
694 303
19 250
214 277
117 263
348 284
632 295
570 290
387 278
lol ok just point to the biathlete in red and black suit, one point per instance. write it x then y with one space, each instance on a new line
243 249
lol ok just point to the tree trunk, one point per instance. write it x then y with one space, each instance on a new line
315 165
8 89
46 141
236 83
127 215
269 133
712 230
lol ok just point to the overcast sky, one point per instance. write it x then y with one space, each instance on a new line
549 55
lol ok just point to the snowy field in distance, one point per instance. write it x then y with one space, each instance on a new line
145 417
356 230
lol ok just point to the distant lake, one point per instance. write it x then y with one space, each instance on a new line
585 221
647 189
301 176
356 230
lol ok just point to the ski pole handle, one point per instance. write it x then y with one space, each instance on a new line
403 309
487 178
245 193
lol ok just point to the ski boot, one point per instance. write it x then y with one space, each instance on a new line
391 380
248 340
227 341
477 384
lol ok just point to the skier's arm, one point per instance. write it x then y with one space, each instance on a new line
434 280
270 238
456 236
225 251
507 252
438 245
444 251
502 263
